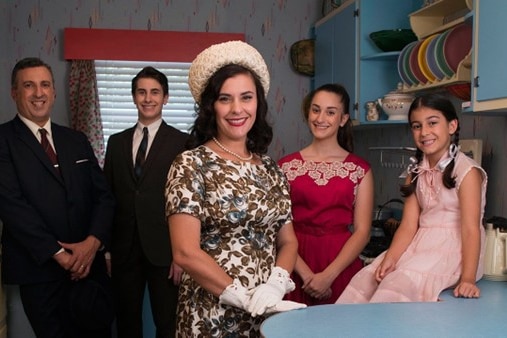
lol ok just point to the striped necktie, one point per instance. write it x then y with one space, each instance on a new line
48 149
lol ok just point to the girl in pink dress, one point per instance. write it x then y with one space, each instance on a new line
440 241
330 189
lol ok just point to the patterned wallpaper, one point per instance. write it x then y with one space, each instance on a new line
35 28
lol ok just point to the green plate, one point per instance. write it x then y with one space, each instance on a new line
440 55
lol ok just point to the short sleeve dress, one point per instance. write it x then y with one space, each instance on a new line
432 261
323 197
241 206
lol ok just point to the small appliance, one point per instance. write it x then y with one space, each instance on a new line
495 257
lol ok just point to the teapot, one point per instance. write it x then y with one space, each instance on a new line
396 104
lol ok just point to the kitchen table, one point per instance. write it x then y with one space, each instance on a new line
450 317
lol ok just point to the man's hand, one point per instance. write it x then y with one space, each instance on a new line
82 256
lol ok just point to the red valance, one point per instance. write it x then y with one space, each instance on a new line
139 45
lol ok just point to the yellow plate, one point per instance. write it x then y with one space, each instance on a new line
421 59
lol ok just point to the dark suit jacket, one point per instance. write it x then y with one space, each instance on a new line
141 204
39 207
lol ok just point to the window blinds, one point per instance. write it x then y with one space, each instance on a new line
118 111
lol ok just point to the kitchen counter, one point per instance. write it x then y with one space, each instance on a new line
451 317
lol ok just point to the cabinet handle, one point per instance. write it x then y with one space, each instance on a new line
476 81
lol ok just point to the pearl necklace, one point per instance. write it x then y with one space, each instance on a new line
231 152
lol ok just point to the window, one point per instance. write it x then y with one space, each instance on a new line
117 109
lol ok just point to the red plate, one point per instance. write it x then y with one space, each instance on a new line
457 45
414 64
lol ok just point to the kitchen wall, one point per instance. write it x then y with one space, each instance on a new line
35 28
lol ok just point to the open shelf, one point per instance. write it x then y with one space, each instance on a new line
439 16
462 75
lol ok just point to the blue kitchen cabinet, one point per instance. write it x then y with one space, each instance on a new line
485 67
344 52
335 45
489 60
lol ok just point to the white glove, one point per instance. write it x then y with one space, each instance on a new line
285 305
270 293
235 295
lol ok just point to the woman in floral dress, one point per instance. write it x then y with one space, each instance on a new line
331 188
228 206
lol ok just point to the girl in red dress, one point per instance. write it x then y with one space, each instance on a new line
331 189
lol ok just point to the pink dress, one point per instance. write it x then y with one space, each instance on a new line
323 196
432 261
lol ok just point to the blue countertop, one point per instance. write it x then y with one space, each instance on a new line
451 317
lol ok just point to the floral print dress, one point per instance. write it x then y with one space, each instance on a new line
241 206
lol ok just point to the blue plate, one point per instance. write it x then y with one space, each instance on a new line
431 59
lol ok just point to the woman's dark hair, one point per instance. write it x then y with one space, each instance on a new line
205 125
344 136
445 106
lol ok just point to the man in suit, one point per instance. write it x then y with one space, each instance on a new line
137 172
57 212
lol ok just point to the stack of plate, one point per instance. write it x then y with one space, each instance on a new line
435 58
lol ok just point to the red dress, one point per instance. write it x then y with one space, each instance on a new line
323 197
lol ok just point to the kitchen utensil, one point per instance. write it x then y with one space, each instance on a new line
460 90
422 59
404 65
457 45
431 58
440 56
495 258
382 212
392 39
396 104
399 65
414 65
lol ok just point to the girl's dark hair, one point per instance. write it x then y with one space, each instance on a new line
344 136
445 106
205 125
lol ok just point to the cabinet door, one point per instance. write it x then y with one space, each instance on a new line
345 52
324 42
378 71
491 47
335 48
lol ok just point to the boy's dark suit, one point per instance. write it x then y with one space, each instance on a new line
140 231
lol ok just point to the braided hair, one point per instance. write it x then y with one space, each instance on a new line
445 106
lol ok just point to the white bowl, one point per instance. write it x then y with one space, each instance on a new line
396 106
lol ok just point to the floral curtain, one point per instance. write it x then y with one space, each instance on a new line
84 105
